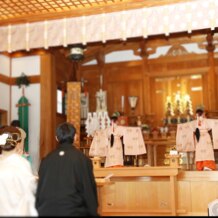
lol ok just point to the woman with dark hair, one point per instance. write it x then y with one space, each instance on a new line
17 182
66 185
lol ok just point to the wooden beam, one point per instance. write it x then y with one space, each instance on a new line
12 80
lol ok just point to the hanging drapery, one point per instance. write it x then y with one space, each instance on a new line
146 21
23 116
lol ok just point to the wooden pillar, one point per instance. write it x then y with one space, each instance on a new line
212 78
146 79
205 90
73 107
3 117
101 63
147 93
75 73
48 105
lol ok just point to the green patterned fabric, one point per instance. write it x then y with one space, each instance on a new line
23 113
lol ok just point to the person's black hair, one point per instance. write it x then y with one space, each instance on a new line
15 123
114 118
197 134
199 111
65 132
112 140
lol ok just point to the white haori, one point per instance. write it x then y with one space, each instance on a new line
99 144
186 140
185 137
133 141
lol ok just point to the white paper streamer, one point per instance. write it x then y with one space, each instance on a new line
27 37
84 30
65 32
9 38
46 34
103 28
123 23
144 23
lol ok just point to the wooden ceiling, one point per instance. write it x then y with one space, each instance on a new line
23 11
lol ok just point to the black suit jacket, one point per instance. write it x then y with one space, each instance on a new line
66 185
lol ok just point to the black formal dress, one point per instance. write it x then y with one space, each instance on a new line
66 185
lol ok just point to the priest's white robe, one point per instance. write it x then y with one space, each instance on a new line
186 140
132 139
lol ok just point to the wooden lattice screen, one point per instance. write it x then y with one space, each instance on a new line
34 10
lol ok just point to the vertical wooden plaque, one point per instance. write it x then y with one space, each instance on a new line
73 107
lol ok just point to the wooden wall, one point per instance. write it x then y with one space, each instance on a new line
3 117
151 80
119 79
125 80
144 78
151 196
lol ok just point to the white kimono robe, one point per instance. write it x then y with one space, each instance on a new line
17 187
114 154
99 144
132 139
185 137
186 140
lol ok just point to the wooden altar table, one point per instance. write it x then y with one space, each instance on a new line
135 174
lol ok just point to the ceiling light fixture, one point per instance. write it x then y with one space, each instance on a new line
76 52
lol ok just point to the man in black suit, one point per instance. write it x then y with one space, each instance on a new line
66 185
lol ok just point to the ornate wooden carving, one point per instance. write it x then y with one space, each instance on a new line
210 46
177 50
